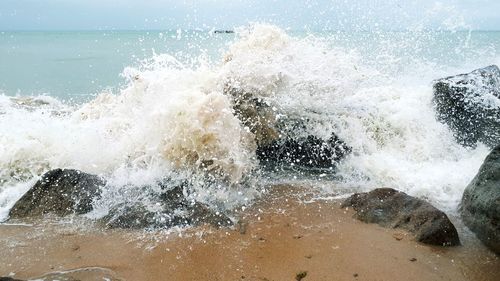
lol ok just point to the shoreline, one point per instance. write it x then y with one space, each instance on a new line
279 237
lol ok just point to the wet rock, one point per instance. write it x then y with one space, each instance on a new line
126 216
309 152
278 140
480 206
61 192
391 208
172 209
257 115
470 105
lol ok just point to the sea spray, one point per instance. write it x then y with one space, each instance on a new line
178 121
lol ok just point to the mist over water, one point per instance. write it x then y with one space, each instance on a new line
174 118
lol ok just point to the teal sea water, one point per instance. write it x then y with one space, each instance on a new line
136 107
77 65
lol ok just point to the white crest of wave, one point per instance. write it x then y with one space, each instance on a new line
175 115
181 118
388 119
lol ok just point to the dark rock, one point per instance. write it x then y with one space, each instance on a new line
391 208
480 206
278 141
64 192
310 152
223 31
173 209
470 105
9 279
126 216
61 192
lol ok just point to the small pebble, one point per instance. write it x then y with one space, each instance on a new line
301 275
398 236
242 227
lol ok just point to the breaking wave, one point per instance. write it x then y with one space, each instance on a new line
179 121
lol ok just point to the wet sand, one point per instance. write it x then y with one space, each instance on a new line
287 236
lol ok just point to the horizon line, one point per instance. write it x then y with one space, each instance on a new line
232 29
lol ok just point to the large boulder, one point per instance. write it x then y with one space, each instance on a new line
61 192
391 208
480 206
280 141
171 208
470 105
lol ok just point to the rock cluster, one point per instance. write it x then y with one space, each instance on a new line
64 192
470 105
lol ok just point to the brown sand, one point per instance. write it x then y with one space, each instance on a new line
280 238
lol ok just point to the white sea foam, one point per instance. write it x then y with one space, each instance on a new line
176 120
10 194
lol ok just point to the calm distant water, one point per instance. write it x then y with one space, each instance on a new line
75 65
82 63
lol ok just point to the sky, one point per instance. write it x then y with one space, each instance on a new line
226 14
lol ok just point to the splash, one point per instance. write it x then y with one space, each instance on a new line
176 120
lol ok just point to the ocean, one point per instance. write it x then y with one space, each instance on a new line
138 106
76 65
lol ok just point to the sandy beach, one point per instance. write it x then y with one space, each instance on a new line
289 236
